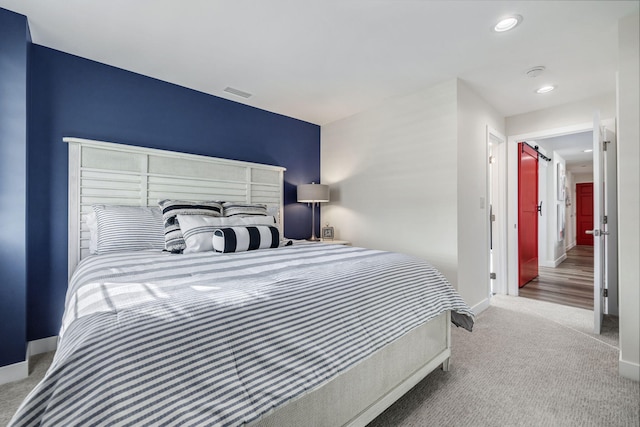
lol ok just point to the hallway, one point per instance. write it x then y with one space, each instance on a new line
571 283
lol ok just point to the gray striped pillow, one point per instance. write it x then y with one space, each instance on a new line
240 239
233 208
128 228
174 240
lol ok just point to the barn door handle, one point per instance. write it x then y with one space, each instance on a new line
539 208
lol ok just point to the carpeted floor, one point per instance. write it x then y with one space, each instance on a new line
527 363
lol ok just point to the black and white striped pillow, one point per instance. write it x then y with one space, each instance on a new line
174 240
240 239
233 208
198 229
128 228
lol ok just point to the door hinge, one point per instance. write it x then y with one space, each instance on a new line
605 293
604 219
604 145
492 276
493 218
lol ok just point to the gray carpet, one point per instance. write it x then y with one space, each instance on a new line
527 363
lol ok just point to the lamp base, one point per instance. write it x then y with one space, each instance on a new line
313 239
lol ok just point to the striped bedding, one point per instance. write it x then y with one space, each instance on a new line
221 339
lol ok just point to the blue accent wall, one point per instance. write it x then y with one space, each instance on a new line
73 96
14 72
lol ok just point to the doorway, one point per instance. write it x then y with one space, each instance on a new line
570 283
561 225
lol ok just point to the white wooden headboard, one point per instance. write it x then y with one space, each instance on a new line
117 174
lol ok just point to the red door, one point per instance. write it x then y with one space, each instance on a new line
584 213
527 214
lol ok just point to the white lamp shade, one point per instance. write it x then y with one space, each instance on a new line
313 193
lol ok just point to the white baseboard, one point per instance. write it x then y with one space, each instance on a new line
629 370
43 345
554 263
14 372
19 371
481 306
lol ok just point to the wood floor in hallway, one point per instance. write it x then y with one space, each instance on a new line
570 283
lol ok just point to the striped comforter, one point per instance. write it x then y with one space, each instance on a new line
220 339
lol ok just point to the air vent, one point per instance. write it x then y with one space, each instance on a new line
238 92
535 71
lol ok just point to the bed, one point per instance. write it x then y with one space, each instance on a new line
290 333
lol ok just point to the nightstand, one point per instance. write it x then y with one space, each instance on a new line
336 242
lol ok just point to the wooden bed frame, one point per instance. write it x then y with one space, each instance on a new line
109 173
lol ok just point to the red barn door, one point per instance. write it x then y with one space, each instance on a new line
527 214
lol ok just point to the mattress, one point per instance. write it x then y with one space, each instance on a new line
222 339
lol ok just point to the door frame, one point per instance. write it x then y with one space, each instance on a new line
497 196
512 190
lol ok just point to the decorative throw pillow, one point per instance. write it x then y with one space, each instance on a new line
233 208
174 240
198 229
128 228
240 239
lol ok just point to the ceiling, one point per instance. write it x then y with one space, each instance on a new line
571 148
323 60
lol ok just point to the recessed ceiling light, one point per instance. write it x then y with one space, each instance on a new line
507 23
588 150
545 89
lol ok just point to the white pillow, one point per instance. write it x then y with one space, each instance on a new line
198 229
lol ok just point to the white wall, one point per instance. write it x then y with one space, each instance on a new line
545 196
628 134
581 178
474 115
556 246
551 250
393 177
574 113
409 176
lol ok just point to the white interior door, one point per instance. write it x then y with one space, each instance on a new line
611 222
498 211
599 233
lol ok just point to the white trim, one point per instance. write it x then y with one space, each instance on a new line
19 371
629 370
14 372
554 263
500 210
481 306
44 345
